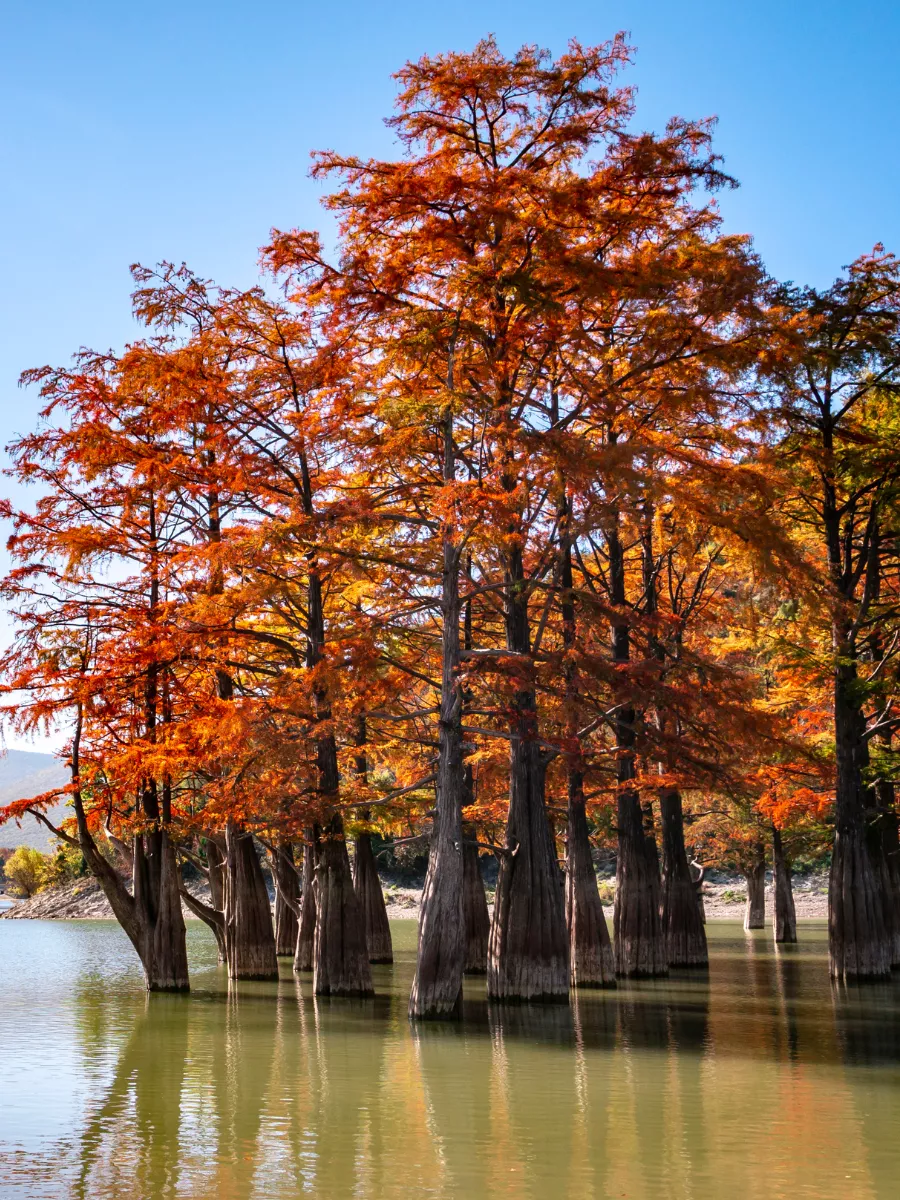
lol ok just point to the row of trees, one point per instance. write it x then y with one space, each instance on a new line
534 514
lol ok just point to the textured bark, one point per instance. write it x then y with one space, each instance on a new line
365 872
157 876
249 936
785 916
371 901
475 908
755 912
287 899
682 913
591 961
340 955
151 914
640 947
215 860
306 929
890 857
528 951
859 944
440 956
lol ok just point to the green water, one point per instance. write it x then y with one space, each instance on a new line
757 1081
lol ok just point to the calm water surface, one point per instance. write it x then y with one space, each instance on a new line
758 1080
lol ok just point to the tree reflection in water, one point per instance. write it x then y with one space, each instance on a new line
662 1087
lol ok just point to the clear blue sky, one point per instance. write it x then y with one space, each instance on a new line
181 129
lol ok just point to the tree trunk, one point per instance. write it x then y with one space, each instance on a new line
891 859
371 901
785 916
441 952
755 913
340 954
859 946
151 914
157 895
682 914
640 947
215 861
591 961
287 899
475 908
249 937
365 872
306 930
528 950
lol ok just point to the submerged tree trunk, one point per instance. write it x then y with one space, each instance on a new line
755 912
158 902
306 926
475 908
640 948
287 899
365 873
682 913
340 954
528 951
890 857
340 957
441 952
591 961
151 914
249 936
371 901
859 945
785 916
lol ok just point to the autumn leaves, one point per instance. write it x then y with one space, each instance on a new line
499 482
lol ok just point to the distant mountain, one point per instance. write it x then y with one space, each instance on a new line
23 774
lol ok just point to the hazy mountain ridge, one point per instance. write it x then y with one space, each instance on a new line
25 773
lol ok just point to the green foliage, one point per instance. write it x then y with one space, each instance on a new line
65 865
26 871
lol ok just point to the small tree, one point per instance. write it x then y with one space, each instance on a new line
26 871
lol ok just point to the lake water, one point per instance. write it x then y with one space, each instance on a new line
758 1080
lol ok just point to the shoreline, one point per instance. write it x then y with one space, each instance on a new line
724 899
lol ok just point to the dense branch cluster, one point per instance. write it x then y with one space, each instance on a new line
534 519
